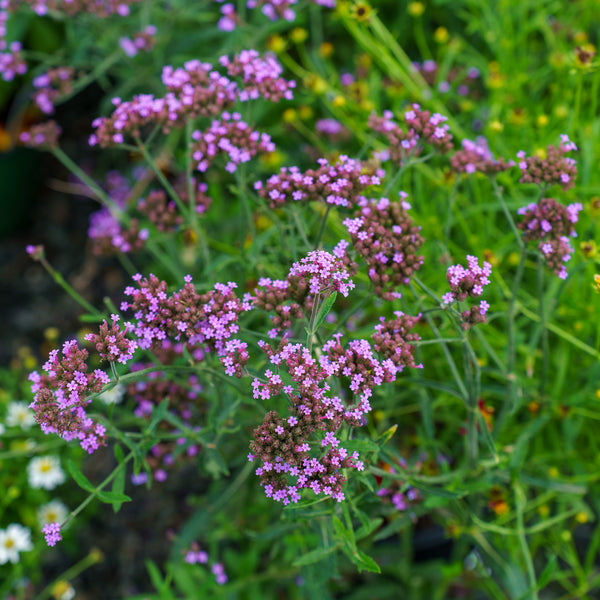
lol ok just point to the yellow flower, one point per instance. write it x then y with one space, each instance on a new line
276 44
541 153
597 282
289 115
496 126
326 49
305 112
339 100
441 35
542 120
361 11
589 250
298 34
582 517
416 9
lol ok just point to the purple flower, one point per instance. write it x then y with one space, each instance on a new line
52 533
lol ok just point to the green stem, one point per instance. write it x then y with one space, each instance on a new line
520 501
60 280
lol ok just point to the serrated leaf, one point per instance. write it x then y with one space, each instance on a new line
80 479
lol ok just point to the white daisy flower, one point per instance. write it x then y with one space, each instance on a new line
52 512
14 539
18 414
114 395
45 472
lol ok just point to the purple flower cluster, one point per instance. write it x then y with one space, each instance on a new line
556 168
195 556
196 89
99 8
385 236
185 315
422 128
52 533
551 225
468 283
430 71
476 156
143 41
392 340
272 9
12 62
339 184
290 462
112 343
43 135
293 298
63 392
323 272
51 85
231 136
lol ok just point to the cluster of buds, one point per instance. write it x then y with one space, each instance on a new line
51 85
12 62
476 156
392 339
318 274
62 394
554 169
98 8
385 236
112 343
194 90
231 136
143 41
551 225
468 283
430 71
43 136
185 315
339 184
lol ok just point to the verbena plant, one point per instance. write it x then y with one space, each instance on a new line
355 345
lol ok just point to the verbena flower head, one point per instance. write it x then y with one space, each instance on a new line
232 137
392 339
385 236
340 184
555 168
468 283
51 85
43 136
143 41
421 127
185 315
551 224
476 157
111 343
323 272
14 539
195 90
12 62
302 451
52 533
63 392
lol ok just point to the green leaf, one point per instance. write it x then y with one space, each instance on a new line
113 497
364 562
343 534
314 556
367 529
324 310
80 479
547 574
385 437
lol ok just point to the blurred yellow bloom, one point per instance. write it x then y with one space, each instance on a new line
289 115
496 126
299 35
326 49
339 100
276 44
582 517
441 35
541 153
589 250
361 11
416 9
542 120
597 282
